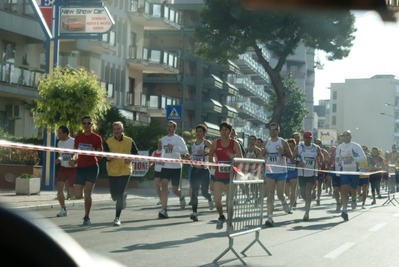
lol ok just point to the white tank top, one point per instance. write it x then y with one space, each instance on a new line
194 150
276 162
308 155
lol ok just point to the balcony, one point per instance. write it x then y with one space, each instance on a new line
250 112
229 112
213 82
248 88
19 76
212 106
230 89
95 46
161 78
213 129
153 60
154 16
230 68
250 66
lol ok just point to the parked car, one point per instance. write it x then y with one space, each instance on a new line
73 24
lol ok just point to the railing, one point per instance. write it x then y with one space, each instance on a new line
250 86
11 74
22 7
255 66
155 56
156 10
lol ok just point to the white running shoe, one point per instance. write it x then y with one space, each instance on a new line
63 212
117 222
159 202
182 202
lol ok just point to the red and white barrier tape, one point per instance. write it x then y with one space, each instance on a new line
4 143
103 154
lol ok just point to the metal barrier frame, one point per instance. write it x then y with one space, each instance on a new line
231 233
392 173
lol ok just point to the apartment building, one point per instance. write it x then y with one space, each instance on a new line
145 63
369 108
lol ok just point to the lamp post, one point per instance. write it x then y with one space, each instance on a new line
383 113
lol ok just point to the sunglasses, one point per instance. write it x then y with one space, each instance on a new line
346 135
273 129
87 123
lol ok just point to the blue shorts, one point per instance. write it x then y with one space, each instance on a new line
363 181
336 181
277 176
320 177
222 180
352 180
292 175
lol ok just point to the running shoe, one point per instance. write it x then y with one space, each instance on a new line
285 206
221 220
211 205
86 221
373 202
306 217
379 196
159 202
182 202
363 207
124 200
194 217
345 216
290 210
117 222
63 212
318 202
163 214
269 222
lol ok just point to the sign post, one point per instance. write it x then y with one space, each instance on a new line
50 19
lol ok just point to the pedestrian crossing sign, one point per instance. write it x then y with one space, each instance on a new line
174 113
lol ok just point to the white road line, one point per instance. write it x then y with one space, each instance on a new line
335 253
377 227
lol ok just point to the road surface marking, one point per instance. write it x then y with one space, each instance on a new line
377 227
335 253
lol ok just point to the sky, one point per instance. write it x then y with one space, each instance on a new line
375 51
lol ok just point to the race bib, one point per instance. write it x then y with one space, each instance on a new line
167 150
84 146
224 169
66 157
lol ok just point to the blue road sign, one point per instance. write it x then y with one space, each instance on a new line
174 113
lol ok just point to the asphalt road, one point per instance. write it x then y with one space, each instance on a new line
369 238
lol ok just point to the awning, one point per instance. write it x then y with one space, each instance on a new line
216 103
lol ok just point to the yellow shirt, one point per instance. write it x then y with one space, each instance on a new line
364 167
118 167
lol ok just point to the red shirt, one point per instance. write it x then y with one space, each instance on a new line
222 156
84 142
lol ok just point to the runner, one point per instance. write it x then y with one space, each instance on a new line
364 166
275 151
394 159
348 155
376 164
224 149
65 172
119 170
251 152
87 170
308 155
297 137
173 147
200 173
321 175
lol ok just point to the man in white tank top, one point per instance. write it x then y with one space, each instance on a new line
275 151
307 155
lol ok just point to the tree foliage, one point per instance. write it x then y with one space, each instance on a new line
295 111
146 137
229 30
105 123
66 95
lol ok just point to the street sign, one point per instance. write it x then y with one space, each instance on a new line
85 20
174 113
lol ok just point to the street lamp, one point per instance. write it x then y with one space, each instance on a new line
383 113
389 105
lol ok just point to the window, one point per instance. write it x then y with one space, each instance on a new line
8 51
110 90
112 37
334 95
334 107
334 120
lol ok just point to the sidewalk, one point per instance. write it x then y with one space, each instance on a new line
47 199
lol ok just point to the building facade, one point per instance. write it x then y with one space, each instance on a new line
369 108
145 63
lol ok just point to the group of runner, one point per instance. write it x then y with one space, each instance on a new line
289 163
